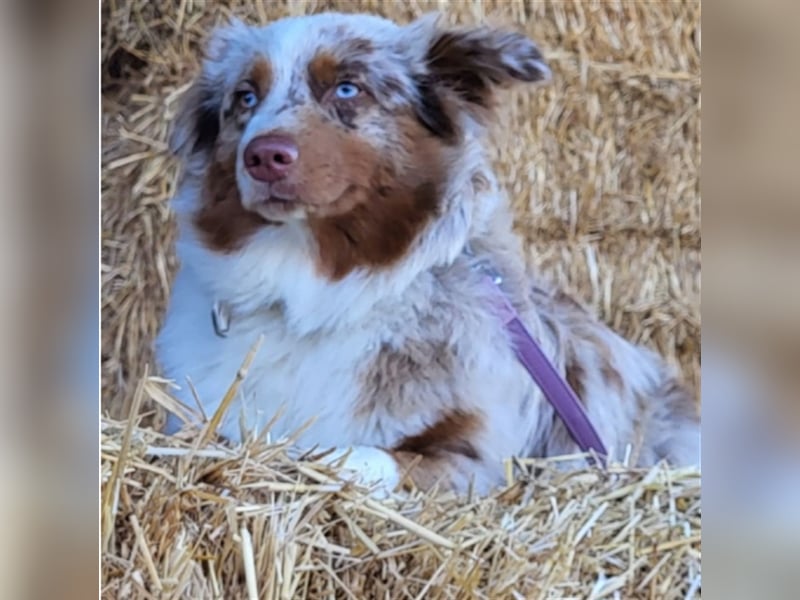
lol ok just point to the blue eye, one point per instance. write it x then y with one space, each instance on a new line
347 90
248 99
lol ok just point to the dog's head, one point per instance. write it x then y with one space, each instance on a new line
350 125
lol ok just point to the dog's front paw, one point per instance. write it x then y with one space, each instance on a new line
368 466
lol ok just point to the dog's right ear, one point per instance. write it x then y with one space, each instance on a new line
197 123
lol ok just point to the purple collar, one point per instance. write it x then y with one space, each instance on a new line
553 386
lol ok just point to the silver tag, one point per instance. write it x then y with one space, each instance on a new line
484 267
221 318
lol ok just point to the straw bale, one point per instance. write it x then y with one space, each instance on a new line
602 169
220 522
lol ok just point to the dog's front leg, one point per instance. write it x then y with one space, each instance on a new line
383 470
369 466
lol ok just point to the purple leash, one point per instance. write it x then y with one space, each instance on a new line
555 388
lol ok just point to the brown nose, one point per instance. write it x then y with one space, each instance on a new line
270 157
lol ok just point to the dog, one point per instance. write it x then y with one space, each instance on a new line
336 201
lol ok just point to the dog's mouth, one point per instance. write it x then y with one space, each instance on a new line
278 201
278 209
281 192
283 201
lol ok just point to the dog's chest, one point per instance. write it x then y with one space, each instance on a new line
320 383
310 378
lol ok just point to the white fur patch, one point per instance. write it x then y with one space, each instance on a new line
368 466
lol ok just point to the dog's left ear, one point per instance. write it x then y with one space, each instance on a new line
473 61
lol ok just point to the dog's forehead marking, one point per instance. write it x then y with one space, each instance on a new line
292 43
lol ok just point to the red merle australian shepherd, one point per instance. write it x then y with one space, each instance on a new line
336 198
